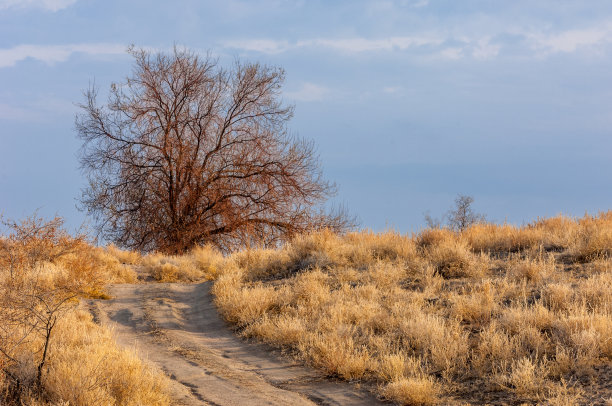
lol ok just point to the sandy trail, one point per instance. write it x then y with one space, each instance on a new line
177 327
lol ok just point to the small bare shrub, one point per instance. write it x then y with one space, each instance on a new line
463 216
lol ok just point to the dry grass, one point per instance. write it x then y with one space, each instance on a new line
200 264
86 367
50 353
593 238
494 314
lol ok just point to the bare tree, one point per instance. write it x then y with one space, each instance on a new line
459 218
432 222
462 216
186 152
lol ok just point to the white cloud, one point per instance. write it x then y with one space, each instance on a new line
350 45
576 40
445 45
451 53
51 54
417 3
52 5
483 49
392 6
571 40
308 92
355 45
266 46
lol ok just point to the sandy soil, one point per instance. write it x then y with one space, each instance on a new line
177 327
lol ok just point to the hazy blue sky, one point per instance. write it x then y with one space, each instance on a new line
409 102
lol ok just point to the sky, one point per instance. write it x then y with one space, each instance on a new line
410 102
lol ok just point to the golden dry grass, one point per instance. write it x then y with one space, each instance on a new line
494 314
86 367
497 314
43 272
200 264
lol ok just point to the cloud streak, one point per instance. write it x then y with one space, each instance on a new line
356 45
308 92
349 45
572 40
51 5
427 45
432 46
51 54
445 46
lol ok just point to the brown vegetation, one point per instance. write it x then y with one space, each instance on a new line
186 153
496 314
50 353
199 264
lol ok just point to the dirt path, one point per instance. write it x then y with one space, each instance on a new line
177 327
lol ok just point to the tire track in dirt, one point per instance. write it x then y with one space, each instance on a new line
177 327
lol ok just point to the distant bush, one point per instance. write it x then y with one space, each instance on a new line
458 218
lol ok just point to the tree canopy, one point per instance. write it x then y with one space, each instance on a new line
186 152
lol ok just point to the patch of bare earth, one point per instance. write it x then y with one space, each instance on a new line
177 327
